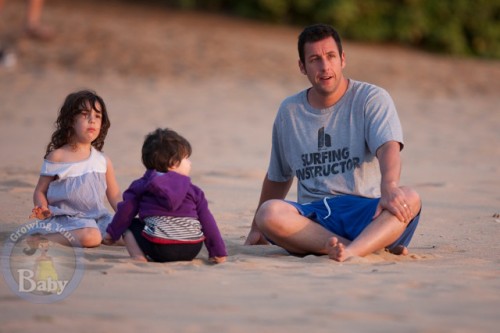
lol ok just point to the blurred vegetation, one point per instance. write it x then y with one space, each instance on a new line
459 27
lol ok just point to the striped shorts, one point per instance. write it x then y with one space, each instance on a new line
169 229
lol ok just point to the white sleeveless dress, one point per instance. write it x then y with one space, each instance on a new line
76 196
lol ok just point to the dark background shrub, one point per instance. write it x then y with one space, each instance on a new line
458 27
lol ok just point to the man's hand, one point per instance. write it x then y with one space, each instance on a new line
255 237
393 199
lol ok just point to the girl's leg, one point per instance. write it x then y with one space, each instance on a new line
88 237
132 247
85 237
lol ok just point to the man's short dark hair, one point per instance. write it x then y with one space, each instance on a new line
317 32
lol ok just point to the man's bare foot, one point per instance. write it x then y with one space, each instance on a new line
399 250
336 250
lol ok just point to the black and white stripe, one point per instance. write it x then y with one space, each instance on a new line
174 228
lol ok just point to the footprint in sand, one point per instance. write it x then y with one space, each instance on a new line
98 267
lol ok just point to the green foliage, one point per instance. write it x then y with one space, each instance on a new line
464 27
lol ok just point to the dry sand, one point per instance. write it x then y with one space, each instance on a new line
219 81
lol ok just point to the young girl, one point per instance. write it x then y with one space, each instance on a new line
174 219
75 175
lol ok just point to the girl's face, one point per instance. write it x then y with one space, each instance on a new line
183 168
87 124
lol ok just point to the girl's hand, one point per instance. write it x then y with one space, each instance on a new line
217 260
40 213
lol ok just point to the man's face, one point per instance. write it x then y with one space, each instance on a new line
323 66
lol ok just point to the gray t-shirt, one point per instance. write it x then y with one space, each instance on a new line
332 151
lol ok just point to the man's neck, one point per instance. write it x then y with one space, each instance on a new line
322 101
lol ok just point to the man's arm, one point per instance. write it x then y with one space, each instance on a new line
270 190
392 197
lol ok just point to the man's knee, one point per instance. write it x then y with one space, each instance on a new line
413 199
270 217
267 212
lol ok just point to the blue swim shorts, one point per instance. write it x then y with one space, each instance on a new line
347 216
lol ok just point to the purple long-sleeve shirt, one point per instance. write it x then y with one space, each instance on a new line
169 194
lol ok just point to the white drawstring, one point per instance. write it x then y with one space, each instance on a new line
327 207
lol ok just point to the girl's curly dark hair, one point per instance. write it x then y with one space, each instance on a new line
74 104
164 148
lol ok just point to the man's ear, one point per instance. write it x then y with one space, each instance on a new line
302 67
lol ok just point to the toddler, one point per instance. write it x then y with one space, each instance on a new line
174 219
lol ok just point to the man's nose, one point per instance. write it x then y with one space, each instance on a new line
324 63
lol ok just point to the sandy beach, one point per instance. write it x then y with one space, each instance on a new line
219 81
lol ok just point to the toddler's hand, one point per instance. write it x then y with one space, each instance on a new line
107 240
217 260
40 213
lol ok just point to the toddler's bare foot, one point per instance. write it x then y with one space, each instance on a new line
139 258
217 260
336 250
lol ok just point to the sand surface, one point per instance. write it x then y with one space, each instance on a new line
219 81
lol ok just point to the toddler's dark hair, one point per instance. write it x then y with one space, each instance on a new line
163 149
73 105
